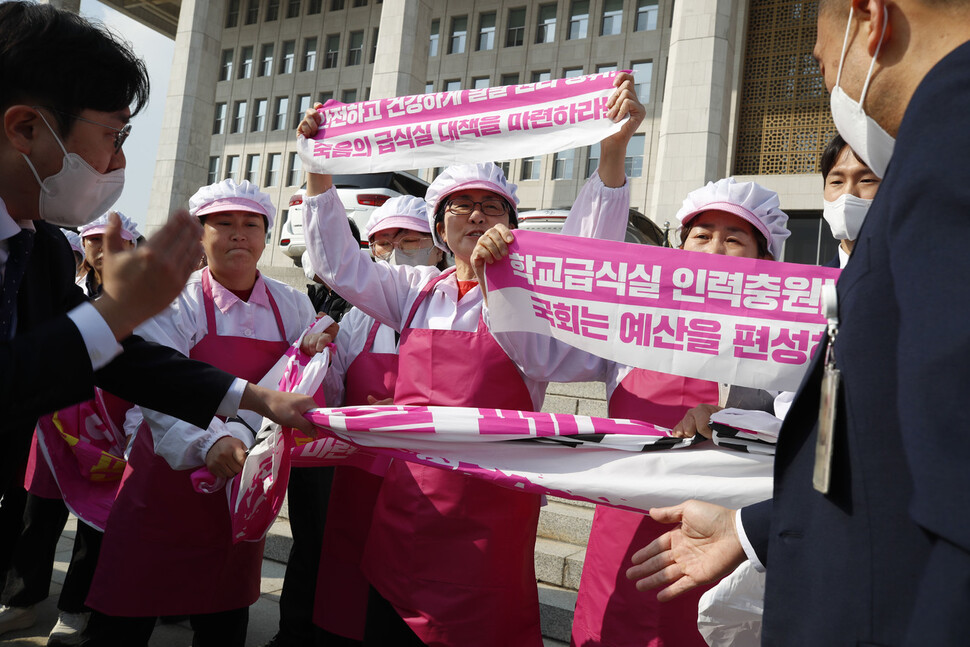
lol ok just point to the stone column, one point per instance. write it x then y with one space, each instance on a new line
183 147
401 64
701 85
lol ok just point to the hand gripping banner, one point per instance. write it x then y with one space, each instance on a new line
727 319
460 127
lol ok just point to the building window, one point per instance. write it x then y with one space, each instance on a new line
252 12
282 110
486 31
239 117
786 122
505 166
259 115
515 35
325 96
606 67
592 159
546 27
336 5
349 96
578 19
480 83
314 7
219 123
232 16
232 168
356 51
811 239
266 60
452 86
295 176
360 3
272 10
428 87
287 56
309 62
612 18
634 156
510 79
646 15
333 51
246 62
213 170
572 72
293 9
273 170
303 104
538 77
226 65
252 169
433 45
562 164
530 168
459 32
373 46
642 77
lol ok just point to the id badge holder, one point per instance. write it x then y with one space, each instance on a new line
831 377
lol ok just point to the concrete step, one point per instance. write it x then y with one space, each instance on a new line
565 522
556 608
559 563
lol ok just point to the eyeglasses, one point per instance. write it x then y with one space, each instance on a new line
121 134
383 249
489 206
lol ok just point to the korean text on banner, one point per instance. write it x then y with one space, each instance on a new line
735 320
461 126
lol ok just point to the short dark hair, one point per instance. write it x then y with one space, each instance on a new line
59 60
831 155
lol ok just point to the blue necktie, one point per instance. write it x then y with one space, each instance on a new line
13 273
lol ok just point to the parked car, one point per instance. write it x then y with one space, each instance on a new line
639 228
360 194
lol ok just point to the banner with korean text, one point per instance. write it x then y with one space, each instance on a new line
727 319
461 126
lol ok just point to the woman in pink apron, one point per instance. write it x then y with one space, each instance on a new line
735 219
168 549
364 371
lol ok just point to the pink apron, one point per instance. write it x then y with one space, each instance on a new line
610 612
454 554
341 599
167 549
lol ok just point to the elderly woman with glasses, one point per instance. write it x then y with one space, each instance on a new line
450 558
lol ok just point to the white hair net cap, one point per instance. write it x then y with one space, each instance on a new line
402 212
747 200
129 228
461 177
74 240
230 196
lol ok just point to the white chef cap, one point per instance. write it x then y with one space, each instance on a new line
749 201
230 196
129 228
402 212
74 240
461 177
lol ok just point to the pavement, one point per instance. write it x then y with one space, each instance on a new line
264 616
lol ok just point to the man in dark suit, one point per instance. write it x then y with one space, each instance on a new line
881 556
64 101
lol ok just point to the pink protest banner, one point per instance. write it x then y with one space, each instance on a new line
84 446
466 126
721 318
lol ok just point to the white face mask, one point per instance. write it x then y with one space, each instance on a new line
871 143
429 256
845 215
77 194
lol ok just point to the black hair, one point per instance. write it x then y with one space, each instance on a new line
831 155
56 59
439 214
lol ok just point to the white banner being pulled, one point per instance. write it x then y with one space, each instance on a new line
460 127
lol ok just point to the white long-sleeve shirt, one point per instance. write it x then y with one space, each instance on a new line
183 325
387 292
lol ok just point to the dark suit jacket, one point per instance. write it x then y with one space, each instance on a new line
46 366
884 558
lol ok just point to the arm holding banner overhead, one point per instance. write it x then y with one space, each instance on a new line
623 103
